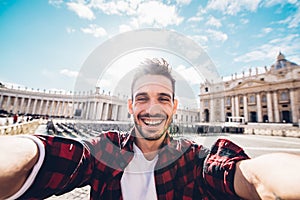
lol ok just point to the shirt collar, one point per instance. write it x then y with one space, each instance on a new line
170 149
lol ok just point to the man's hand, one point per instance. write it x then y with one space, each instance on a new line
271 176
17 157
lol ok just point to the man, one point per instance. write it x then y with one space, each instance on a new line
145 163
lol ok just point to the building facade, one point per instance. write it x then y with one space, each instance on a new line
269 97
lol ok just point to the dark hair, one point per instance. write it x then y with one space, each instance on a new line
154 66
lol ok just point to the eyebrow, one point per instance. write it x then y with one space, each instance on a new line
146 94
165 94
141 94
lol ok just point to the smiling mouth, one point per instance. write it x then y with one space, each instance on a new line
152 122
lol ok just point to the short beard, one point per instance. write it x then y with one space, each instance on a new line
144 135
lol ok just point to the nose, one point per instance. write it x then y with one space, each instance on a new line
154 108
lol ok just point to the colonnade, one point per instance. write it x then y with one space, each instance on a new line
270 106
89 107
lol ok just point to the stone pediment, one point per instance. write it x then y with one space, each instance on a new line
249 83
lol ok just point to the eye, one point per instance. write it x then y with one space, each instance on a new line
164 99
141 99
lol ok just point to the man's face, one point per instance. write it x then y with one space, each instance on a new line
152 106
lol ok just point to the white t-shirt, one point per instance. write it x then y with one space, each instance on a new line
138 181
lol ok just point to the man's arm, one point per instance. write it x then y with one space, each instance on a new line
18 155
271 176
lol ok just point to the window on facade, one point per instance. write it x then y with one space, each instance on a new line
205 103
241 100
191 118
186 118
206 89
252 99
228 101
283 96
264 98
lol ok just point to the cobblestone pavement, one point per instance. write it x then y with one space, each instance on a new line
78 193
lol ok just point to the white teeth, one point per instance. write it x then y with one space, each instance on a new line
152 122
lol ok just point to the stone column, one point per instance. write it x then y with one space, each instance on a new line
223 110
15 106
1 101
46 108
62 108
56 108
245 108
88 110
115 112
8 103
237 109
258 104
34 106
28 105
293 107
105 111
51 108
95 110
232 107
22 110
41 107
212 111
276 110
99 111
270 107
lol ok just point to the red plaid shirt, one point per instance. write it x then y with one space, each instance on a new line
184 170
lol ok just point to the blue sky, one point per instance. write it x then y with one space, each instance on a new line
43 44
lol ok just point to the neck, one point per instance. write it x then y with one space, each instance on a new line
149 148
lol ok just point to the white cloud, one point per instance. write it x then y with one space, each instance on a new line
195 19
217 35
95 30
69 73
244 21
264 32
270 3
189 74
295 19
157 14
154 13
288 44
82 10
183 2
267 30
200 39
212 21
70 30
55 3
124 28
120 7
232 7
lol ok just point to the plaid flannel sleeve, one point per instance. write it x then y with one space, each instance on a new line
67 164
219 168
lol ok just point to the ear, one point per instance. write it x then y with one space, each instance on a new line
129 106
175 106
